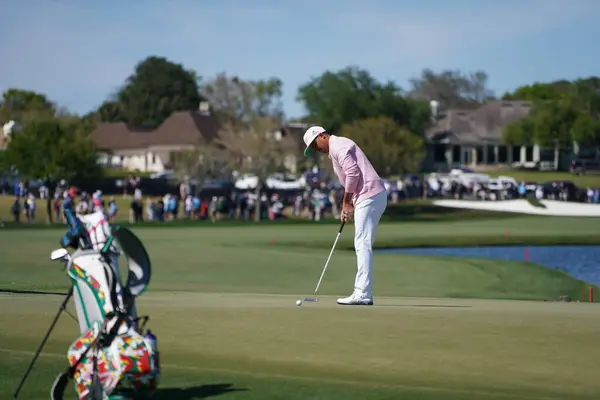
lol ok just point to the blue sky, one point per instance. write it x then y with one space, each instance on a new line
78 52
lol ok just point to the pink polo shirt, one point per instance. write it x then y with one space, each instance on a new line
353 169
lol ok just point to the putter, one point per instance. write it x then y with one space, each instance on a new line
62 308
314 298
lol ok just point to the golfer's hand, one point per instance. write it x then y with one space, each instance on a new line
347 211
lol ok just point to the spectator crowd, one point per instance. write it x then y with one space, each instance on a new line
316 201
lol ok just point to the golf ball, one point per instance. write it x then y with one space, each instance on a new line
299 302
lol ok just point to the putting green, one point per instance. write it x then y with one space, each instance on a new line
401 348
222 305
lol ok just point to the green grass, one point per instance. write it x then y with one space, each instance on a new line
268 348
41 215
222 304
583 181
414 210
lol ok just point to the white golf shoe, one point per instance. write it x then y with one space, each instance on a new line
356 300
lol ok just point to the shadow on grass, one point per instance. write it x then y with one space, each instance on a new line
421 305
18 291
195 392
427 212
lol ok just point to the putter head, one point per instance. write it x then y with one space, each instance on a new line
59 386
311 299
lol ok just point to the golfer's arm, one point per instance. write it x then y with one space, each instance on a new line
347 198
352 172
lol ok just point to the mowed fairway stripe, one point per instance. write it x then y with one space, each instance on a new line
309 379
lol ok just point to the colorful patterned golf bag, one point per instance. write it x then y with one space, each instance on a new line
113 358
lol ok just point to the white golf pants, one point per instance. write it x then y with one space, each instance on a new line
367 214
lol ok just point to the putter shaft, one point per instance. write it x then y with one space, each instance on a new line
327 262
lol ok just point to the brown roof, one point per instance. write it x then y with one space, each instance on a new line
482 125
181 128
185 128
119 136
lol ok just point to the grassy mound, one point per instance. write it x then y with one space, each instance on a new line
289 259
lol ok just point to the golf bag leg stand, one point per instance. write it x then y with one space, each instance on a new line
62 308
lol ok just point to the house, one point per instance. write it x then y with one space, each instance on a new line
474 137
294 133
123 146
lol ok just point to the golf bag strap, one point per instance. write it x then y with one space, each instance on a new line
112 278
107 245
107 338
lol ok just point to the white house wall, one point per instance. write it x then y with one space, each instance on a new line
143 161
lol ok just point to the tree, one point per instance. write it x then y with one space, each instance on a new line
337 98
565 112
24 106
111 111
203 162
250 113
553 123
4 167
51 148
240 102
539 92
519 133
156 89
586 130
584 93
452 88
255 149
391 149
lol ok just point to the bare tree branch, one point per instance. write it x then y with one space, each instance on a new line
202 162
257 150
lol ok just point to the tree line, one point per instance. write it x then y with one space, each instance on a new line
388 121
564 113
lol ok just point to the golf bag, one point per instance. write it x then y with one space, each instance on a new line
112 358
102 239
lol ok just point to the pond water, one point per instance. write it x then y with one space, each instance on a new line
581 262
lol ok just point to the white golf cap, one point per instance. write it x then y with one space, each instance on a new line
310 135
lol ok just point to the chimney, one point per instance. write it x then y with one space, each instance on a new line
204 108
434 110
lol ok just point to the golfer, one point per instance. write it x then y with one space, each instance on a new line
365 197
